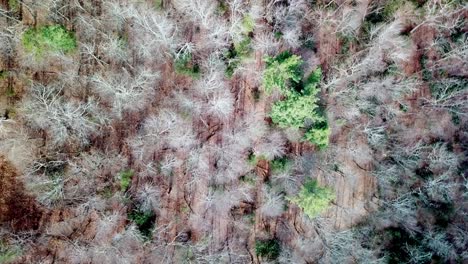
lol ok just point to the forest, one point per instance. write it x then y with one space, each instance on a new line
233 131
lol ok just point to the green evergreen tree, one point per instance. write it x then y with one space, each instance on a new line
281 72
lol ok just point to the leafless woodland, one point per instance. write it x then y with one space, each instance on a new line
394 89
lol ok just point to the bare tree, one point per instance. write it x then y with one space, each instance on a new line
124 91
64 121
148 196
154 35
169 128
221 105
343 247
266 43
272 203
272 146
451 94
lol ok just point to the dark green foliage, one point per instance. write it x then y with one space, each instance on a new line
384 11
403 247
278 34
424 172
144 220
442 212
125 179
279 165
447 86
397 240
426 73
238 52
458 34
346 42
222 7
48 38
374 17
455 118
312 80
309 43
107 192
243 48
184 66
10 91
391 7
269 249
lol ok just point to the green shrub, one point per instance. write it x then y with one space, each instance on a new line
248 24
243 48
239 51
10 92
3 74
249 178
14 5
48 38
222 8
107 192
125 179
184 66
232 65
158 4
278 34
144 220
252 159
279 165
313 199
269 249
345 41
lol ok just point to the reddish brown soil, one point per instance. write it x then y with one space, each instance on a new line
17 210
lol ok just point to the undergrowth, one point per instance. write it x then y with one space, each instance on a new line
269 249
